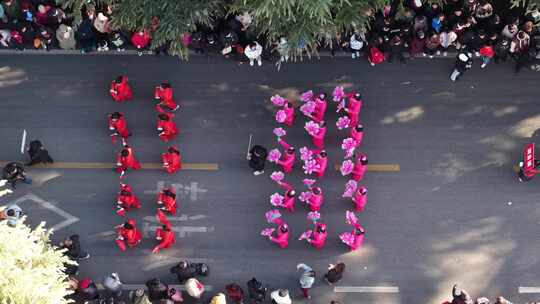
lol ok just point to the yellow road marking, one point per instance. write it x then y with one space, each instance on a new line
379 167
146 166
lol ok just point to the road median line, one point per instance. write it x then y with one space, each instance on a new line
378 167
522 289
367 289
144 166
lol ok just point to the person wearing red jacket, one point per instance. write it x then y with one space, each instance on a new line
172 161
126 200
282 236
322 163
288 158
353 107
166 127
126 159
118 124
141 41
289 197
167 200
318 139
165 236
360 167
357 133
164 93
128 234
120 89
360 199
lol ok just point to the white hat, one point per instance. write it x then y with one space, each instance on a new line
102 17
463 57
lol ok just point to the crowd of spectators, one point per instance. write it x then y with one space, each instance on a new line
404 29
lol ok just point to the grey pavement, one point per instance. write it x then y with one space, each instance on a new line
455 213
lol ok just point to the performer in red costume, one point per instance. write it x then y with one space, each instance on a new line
120 89
164 93
288 108
128 234
172 161
126 159
353 107
118 124
322 162
166 127
316 199
167 200
289 196
282 235
126 200
164 234
318 139
360 167
287 159
357 133
360 199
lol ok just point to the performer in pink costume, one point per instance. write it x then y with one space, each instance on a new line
320 106
288 108
360 167
318 138
360 199
316 199
322 162
289 196
282 235
353 107
357 133
353 239
287 159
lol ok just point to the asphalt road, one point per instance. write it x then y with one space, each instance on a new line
455 213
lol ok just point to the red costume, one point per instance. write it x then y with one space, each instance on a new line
282 236
126 200
118 124
318 237
172 161
357 133
288 197
128 234
287 159
318 139
360 199
140 39
360 167
163 234
166 127
288 108
126 159
167 198
120 89
164 93
322 163
353 108
316 199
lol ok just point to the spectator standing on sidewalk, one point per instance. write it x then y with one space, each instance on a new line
396 49
486 53
280 296
432 45
12 214
519 48
417 44
502 49
141 41
256 290
253 52
460 296
138 296
307 278
66 37
235 292
113 286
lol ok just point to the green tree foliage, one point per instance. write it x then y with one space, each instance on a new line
31 269
530 7
306 24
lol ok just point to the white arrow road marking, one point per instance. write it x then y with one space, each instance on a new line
183 217
182 231
367 289
528 289
69 219
137 286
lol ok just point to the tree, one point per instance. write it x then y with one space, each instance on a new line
31 269
306 25
529 7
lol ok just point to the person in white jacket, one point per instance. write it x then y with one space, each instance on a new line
356 43
253 52
280 296
307 279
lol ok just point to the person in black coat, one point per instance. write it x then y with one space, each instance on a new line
38 153
256 290
257 159
184 271
14 172
335 273
463 62
157 290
